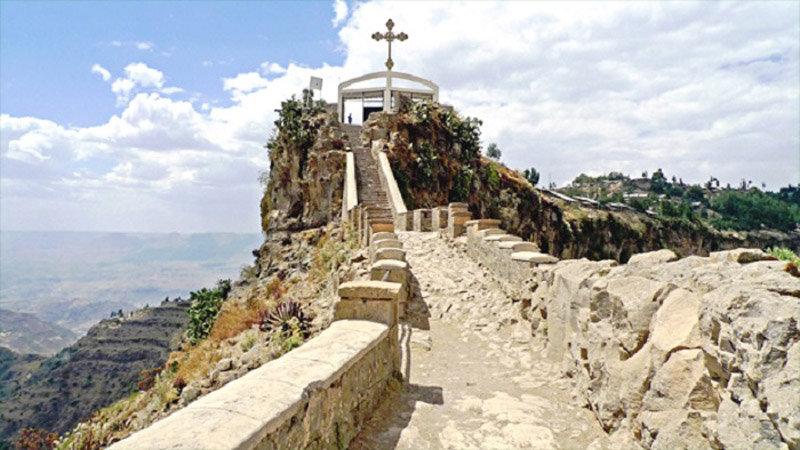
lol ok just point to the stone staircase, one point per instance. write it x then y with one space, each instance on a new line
371 194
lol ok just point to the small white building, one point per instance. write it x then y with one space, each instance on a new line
362 96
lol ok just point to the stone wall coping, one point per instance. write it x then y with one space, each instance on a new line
534 257
502 238
390 264
483 223
519 246
387 243
390 253
243 412
370 289
458 205
381 235
486 232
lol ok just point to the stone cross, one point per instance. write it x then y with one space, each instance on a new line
389 36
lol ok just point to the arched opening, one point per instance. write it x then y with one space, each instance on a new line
381 91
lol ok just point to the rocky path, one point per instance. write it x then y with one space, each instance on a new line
474 381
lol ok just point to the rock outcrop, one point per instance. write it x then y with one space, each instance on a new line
690 353
307 161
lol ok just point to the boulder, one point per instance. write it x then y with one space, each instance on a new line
628 303
676 324
741 256
652 258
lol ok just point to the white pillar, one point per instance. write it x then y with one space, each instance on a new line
341 105
387 93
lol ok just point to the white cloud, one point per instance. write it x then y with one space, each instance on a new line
698 89
271 68
139 45
339 11
102 71
139 77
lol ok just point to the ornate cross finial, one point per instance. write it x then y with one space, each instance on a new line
389 36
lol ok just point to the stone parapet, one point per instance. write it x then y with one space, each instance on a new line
317 396
505 255
457 216
422 220
439 218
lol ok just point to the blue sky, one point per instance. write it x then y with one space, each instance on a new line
47 47
152 116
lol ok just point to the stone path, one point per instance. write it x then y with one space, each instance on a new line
474 379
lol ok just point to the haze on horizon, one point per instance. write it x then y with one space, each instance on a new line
152 117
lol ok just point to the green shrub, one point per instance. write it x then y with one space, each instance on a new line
784 254
460 190
204 309
532 175
492 176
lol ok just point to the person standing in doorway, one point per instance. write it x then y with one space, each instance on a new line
350 118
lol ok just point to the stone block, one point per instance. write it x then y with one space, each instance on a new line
439 218
381 225
502 238
387 243
383 235
534 258
390 270
385 312
518 246
457 206
422 220
370 290
483 234
390 253
383 243
482 224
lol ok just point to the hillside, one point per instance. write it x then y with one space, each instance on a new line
26 333
436 158
104 365
743 208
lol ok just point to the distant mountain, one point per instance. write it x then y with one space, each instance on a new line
75 279
26 333
100 368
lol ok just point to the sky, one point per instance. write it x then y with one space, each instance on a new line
152 116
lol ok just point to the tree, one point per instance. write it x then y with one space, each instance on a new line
658 182
492 151
532 176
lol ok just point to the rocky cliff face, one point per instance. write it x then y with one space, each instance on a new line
100 368
306 178
691 353
435 160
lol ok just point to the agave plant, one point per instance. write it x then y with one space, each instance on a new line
282 316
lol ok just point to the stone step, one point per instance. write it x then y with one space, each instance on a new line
534 257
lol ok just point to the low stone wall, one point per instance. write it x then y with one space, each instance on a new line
316 396
399 211
691 353
350 193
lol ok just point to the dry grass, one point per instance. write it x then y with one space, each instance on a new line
197 361
233 319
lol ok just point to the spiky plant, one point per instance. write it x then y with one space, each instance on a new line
281 316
